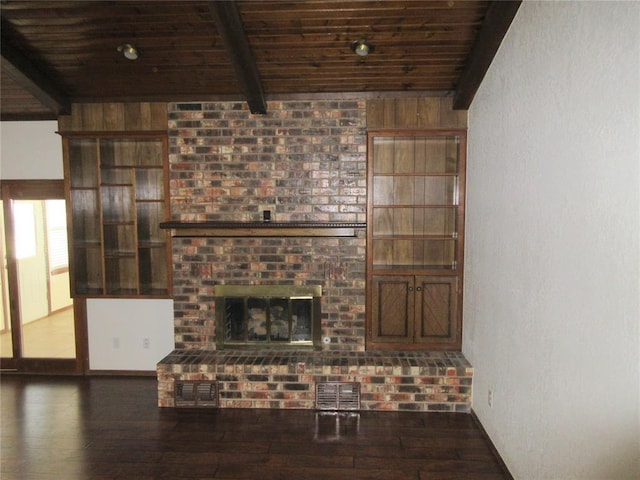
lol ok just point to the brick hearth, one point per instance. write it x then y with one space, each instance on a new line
399 381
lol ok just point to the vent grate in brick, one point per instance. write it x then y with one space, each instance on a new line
196 394
338 396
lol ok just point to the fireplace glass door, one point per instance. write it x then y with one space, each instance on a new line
260 317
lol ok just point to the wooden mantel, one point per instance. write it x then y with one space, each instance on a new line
262 229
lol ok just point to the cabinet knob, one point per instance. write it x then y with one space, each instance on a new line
419 289
411 289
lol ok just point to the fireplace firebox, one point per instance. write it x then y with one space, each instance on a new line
268 316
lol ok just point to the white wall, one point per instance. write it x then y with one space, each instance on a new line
552 279
33 151
129 334
30 151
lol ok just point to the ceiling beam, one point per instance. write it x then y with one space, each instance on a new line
229 25
25 73
496 23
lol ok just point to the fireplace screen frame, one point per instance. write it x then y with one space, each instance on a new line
269 295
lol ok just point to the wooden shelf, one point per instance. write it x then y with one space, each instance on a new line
415 209
262 229
117 188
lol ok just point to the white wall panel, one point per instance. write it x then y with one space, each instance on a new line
129 334
552 280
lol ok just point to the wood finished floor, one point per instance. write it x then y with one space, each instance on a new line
48 337
97 428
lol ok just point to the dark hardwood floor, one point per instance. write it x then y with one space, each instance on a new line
110 428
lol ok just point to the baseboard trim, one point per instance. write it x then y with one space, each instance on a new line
493 448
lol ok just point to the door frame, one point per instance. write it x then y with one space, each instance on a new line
37 190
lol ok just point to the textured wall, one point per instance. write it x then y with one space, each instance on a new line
553 242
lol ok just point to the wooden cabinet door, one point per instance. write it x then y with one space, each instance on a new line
436 307
414 310
393 309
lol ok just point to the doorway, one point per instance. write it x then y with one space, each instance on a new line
40 330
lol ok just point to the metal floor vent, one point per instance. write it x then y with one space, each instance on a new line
338 396
196 394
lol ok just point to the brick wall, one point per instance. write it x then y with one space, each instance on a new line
303 161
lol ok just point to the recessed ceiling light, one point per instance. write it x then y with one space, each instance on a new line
128 51
362 47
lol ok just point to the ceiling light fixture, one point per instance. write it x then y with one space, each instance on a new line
362 47
128 51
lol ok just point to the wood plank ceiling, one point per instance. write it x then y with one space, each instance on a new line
55 53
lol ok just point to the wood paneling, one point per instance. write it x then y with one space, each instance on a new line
115 117
304 47
416 112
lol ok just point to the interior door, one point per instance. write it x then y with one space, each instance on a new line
41 331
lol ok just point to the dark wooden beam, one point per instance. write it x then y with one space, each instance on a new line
230 27
27 117
496 23
30 77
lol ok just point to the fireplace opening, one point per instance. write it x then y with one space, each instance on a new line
268 316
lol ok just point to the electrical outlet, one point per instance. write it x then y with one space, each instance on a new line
490 398
116 343
146 343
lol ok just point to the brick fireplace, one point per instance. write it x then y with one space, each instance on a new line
304 163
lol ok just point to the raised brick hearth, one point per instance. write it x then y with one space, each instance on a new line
399 381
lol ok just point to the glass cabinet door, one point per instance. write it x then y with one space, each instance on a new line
415 201
117 189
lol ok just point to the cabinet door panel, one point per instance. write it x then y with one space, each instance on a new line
437 308
392 309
